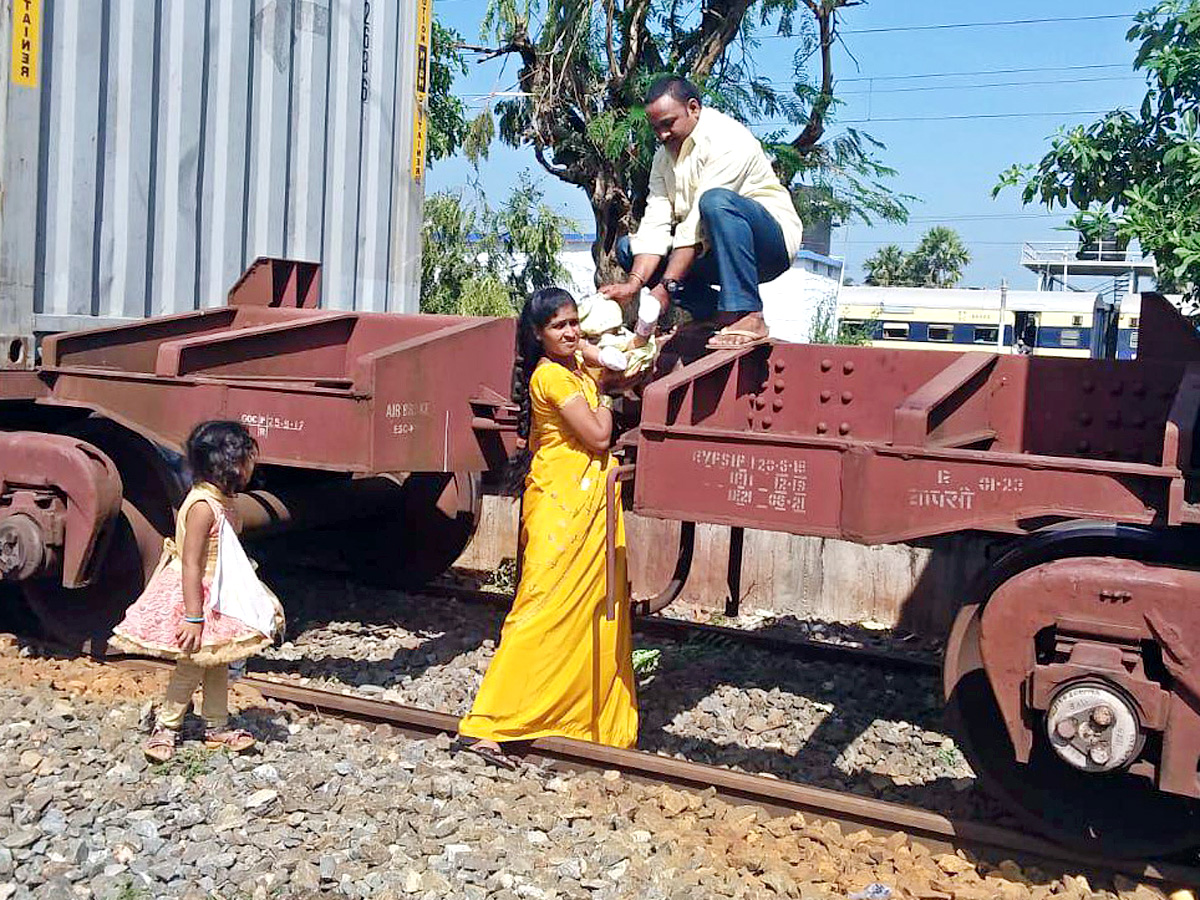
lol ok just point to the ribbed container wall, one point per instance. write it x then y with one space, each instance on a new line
165 144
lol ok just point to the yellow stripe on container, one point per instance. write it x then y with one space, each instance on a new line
26 42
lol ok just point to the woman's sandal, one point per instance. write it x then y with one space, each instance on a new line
235 740
492 757
160 746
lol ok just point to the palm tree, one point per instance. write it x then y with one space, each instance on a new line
885 267
939 259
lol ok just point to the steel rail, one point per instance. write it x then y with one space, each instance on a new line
938 832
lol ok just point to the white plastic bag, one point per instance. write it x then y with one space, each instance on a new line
236 587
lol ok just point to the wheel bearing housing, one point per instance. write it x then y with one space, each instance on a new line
1093 727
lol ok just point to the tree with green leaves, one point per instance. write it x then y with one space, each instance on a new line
584 67
885 267
448 127
826 329
1136 173
476 260
936 262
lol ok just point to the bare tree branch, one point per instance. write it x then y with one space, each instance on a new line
609 48
519 44
719 26
675 27
825 13
632 35
565 173
486 53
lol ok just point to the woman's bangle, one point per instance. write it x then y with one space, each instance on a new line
194 620
641 280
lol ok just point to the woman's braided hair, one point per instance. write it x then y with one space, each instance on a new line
537 311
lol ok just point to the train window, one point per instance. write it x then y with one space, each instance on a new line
1077 321
1069 337
855 331
1133 322
1133 340
941 332
895 331
986 334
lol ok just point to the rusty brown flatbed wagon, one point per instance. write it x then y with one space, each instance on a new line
1069 670
322 389
879 446
366 424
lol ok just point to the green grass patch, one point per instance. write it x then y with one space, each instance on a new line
190 762
131 891
646 660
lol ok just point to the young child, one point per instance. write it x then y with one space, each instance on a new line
608 342
179 616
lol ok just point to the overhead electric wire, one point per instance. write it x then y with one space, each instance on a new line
988 84
997 24
967 116
948 118
789 82
945 118
1010 71
863 92
883 242
981 216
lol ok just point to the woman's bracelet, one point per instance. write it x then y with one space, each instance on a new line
194 620
641 280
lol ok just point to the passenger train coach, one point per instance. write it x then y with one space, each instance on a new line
1042 323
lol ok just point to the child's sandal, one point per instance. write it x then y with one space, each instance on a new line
160 746
235 740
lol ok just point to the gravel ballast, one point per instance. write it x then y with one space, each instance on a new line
331 809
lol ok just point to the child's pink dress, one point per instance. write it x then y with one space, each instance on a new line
152 623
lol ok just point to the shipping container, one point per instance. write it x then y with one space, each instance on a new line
151 149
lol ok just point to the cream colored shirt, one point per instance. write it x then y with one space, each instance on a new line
719 153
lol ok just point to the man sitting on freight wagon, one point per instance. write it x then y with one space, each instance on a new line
716 216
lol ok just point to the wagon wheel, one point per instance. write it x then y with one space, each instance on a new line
83 618
1114 814
432 524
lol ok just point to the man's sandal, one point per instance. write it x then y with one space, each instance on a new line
235 740
754 339
160 746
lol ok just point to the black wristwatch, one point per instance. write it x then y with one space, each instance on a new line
673 287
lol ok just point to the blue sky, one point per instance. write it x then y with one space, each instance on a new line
949 163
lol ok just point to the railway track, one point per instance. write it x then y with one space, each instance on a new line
775 797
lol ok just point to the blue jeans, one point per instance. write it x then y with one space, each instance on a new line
746 249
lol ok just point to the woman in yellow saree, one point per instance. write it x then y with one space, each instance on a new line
561 668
